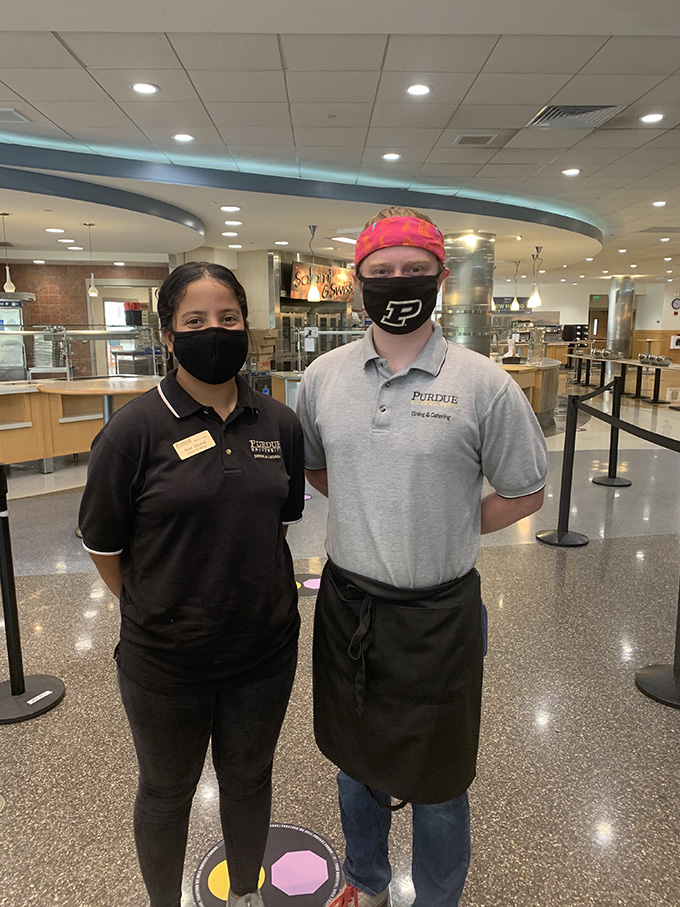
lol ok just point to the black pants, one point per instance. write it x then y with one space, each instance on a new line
171 733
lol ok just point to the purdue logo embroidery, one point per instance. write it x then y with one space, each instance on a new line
265 450
398 313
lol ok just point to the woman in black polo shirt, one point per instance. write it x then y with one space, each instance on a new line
189 491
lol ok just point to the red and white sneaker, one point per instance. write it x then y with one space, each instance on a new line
353 897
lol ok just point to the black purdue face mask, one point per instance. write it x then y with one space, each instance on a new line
399 305
212 355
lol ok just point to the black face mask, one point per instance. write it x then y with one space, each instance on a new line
400 305
212 355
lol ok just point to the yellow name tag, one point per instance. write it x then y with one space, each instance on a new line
196 444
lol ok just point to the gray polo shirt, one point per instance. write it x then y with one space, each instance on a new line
407 453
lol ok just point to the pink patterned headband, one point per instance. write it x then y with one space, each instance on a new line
399 231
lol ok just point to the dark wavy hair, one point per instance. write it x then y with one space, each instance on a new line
175 284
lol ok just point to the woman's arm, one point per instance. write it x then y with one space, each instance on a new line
108 567
318 478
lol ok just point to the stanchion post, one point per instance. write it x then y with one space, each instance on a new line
561 536
21 697
662 682
611 479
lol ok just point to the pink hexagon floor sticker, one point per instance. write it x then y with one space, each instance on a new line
299 872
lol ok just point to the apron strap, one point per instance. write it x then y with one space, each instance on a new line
360 642
392 809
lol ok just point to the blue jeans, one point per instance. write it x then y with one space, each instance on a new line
441 845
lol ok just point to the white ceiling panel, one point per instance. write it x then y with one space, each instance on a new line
227 51
636 55
52 84
255 153
16 132
536 156
619 138
404 138
257 135
581 156
363 53
42 49
597 89
515 88
438 53
447 87
309 136
542 53
449 136
205 135
111 135
428 115
118 50
450 171
333 87
83 113
323 155
630 117
410 155
331 116
537 137
648 155
9 97
248 114
174 85
514 171
493 116
670 139
177 117
460 155
239 86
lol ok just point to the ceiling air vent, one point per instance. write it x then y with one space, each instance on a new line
10 115
475 138
582 116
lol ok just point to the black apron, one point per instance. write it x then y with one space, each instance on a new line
398 683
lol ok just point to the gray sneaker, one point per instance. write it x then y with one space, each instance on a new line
248 900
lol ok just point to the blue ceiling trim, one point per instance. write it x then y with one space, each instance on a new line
177 174
64 187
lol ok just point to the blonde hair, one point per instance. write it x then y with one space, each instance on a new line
398 211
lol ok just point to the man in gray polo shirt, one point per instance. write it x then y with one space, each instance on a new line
401 428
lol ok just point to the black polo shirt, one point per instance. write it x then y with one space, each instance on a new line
194 505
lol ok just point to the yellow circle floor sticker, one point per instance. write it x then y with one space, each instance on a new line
300 869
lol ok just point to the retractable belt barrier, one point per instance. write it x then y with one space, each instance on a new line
659 682
21 697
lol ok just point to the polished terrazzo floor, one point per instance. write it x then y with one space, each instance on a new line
578 791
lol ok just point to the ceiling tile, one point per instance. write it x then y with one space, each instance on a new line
265 153
331 116
204 136
257 135
542 53
241 114
42 49
118 50
537 156
596 89
9 98
493 116
175 116
404 138
52 84
537 137
333 87
514 171
636 55
460 155
581 156
174 85
648 155
241 53
363 53
630 117
450 171
670 139
83 113
306 136
239 86
323 155
447 87
428 115
449 136
619 138
515 88
666 92
409 155
438 53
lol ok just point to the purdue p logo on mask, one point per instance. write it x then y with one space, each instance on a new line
398 314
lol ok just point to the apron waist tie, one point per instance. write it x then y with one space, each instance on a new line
360 642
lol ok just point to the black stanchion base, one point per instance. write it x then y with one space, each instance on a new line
42 693
562 539
658 682
612 481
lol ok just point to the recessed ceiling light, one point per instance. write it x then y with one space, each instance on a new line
665 239
623 250
75 248
563 279
581 276
542 271
669 272
564 266
523 276
233 223
66 240
508 279
652 118
230 233
280 242
38 261
347 239
670 280
232 208
668 259
518 236
589 259
572 171
119 264
574 284
633 266
184 137
605 272
235 246
391 156
659 204
145 88
54 230
418 90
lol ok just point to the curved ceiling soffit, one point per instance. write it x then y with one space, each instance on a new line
178 174
79 190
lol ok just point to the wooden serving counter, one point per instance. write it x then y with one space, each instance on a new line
44 419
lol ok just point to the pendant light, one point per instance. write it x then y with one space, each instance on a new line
91 290
9 286
535 298
514 305
313 294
